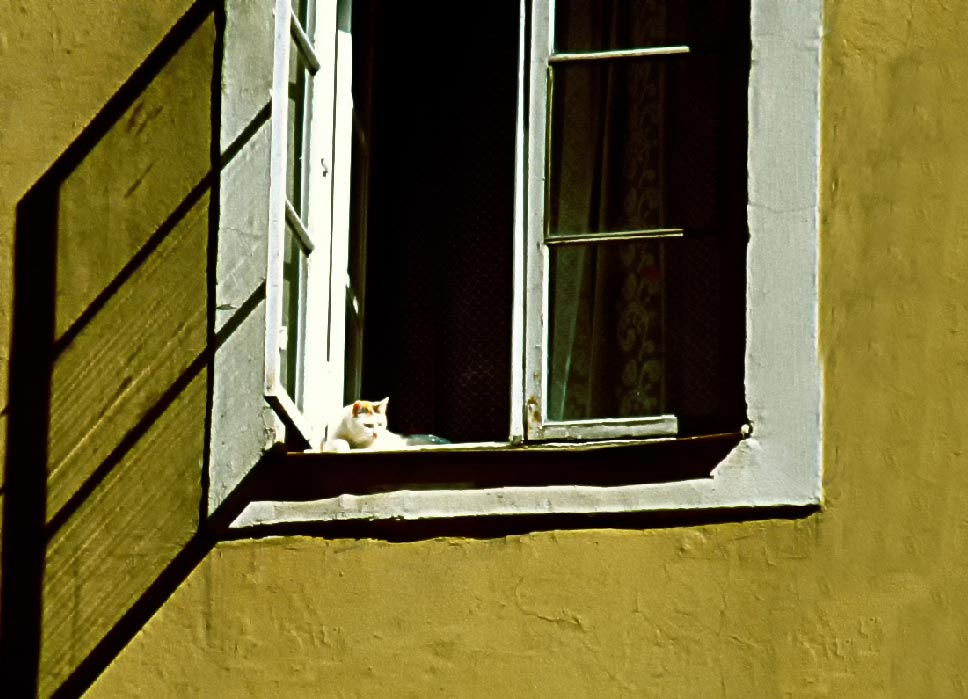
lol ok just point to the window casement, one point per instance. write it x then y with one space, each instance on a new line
635 122
294 229
534 233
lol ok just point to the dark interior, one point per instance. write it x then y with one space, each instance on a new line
437 338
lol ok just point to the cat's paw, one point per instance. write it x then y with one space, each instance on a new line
336 445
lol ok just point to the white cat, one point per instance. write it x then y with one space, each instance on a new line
363 425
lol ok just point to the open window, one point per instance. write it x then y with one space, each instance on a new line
547 223
541 228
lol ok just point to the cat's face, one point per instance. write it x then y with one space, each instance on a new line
369 419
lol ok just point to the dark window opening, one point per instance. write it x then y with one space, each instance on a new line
440 87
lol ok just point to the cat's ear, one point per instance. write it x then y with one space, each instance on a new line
357 408
381 407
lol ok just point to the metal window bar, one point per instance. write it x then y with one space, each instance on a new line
603 237
617 236
302 233
304 11
622 53
304 44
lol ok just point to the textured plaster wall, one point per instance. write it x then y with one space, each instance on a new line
865 599
59 64
128 389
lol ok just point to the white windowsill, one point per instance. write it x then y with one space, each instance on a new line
729 486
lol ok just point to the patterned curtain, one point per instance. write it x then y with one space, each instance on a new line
607 317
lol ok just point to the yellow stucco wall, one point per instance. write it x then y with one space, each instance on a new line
862 600
128 384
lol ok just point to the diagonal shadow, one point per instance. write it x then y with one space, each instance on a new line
190 555
25 482
200 362
48 538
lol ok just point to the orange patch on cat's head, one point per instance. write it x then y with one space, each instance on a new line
368 407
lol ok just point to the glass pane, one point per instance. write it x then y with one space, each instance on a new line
649 327
298 117
359 205
352 374
600 25
705 281
355 294
294 271
607 338
637 144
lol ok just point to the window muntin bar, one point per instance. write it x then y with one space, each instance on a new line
301 11
305 45
633 145
611 55
616 237
299 229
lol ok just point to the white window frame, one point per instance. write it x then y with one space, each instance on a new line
319 372
779 463
539 246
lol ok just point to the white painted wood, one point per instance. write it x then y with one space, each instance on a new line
332 399
518 414
314 229
319 219
248 399
284 406
299 229
618 236
617 54
536 254
304 44
276 232
611 428
538 296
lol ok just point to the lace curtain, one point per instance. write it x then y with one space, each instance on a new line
607 340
